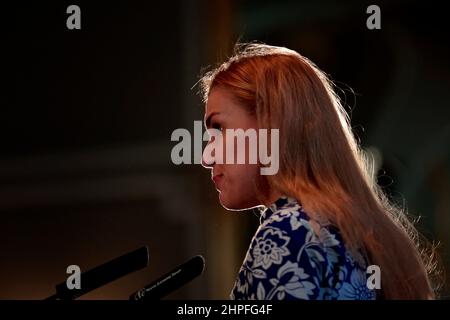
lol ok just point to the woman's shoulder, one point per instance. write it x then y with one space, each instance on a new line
289 259
289 220
305 238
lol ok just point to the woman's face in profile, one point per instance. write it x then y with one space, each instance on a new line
234 182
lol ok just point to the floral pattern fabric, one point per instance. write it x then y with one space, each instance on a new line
288 260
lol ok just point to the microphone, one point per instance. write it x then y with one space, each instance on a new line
171 281
103 274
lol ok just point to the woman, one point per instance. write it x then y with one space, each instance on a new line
325 220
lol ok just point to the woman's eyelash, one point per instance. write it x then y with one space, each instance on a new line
215 125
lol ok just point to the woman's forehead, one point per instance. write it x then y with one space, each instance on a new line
220 100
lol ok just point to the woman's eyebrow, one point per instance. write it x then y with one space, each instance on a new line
208 120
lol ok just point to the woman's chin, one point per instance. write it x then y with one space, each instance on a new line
232 205
225 202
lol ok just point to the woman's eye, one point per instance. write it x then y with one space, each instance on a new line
216 126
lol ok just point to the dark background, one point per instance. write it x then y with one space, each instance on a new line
85 168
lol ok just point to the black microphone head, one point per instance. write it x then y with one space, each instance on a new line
172 280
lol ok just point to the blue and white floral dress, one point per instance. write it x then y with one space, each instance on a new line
287 260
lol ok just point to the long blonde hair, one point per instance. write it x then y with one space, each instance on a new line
321 164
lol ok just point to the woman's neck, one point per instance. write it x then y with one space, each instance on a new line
272 197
